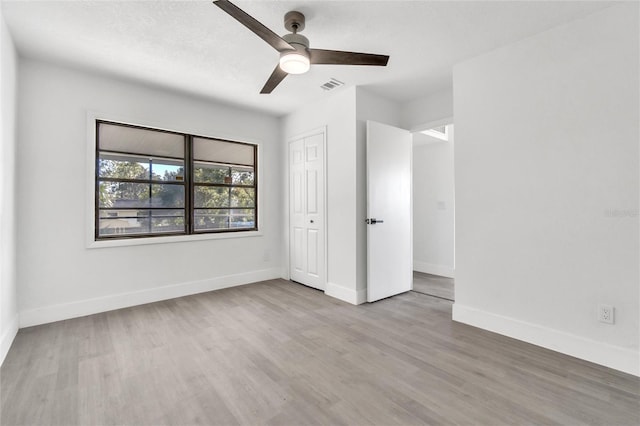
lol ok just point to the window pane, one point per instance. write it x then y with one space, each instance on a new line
167 213
123 194
113 137
242 175
211 219
123 221
167 170
222 151
139 213
209 197
123 226
123 214
210 173
129 195
123 167
242 218
242 197
135 222
165 195
167 221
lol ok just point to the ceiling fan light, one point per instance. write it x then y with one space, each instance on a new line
294 63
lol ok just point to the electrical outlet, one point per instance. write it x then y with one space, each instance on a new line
606 314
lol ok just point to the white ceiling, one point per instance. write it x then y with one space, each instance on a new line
194 47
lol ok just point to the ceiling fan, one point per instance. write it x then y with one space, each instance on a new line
295 55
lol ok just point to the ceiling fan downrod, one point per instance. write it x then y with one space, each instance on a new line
294 21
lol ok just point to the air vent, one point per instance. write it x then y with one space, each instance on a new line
331 84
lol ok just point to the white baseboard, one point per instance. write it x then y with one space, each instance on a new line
7 338
430 268
355 297
124 300
618 358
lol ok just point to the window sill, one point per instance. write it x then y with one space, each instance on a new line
170 239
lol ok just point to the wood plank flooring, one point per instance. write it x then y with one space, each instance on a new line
433 285
278 353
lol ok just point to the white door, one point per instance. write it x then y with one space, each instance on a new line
389 215
306 211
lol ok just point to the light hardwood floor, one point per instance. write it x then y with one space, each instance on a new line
279 353
433 285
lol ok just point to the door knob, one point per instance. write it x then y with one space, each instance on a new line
373 221
311 221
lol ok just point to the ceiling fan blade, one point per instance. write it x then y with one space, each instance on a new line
254 25
276 77
336 57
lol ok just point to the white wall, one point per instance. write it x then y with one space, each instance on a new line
433 205
8 292
427 110
344 114
58 276
547 188
337 113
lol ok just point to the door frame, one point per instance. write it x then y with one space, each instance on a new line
430 125
318 130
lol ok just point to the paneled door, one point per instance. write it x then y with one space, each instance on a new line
307 211
389 211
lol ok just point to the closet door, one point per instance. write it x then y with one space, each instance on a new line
306 210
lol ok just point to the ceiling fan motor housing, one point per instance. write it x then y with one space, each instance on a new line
295 62
296 40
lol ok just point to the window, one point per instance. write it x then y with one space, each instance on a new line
153 182
440 132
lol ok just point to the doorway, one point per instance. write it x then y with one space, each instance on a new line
434 210
434 285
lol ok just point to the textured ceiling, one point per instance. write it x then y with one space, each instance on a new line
194 47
